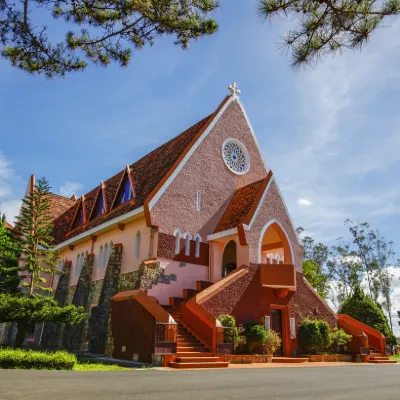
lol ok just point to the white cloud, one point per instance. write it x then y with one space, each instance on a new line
67 189
11 209
304 202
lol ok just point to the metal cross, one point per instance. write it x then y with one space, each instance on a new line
234 89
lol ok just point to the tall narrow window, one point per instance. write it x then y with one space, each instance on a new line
198 240
105 254
100 261
78 260
188 238
177 235
137 246
99 207
125 193
198 201
81 263
110 249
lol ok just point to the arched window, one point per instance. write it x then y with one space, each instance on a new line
177 235
78 260
82 260
137 246
188 238
99 263
105 254
198 240
110 249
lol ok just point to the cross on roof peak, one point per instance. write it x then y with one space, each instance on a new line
234 89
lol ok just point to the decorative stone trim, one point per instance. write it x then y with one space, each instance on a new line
74 335
99 331
246 358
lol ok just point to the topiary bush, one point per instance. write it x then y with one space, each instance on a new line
272 342
256 337
231 332
314 335
29 359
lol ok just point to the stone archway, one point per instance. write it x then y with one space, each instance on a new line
229 258
275 247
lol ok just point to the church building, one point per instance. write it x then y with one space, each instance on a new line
195 229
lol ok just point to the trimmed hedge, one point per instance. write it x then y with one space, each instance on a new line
29 359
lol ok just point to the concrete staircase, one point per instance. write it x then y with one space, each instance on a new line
191 353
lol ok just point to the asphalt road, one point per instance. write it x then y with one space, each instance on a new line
350 382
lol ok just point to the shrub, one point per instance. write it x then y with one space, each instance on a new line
339 337
231 334
272 342
314 335
29 359
256 337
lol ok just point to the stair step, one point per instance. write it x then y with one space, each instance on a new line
194 354
174 301
219 364
379 358
189 293
197 359
290 360
383 361
190 348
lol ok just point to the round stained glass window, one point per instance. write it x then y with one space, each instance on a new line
236 156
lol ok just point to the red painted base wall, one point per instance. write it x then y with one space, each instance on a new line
249 301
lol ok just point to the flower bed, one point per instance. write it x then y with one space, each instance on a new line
246 358
329 357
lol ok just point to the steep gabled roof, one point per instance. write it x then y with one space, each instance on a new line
60 204
146 174
243 205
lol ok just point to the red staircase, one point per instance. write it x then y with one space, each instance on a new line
378 358
191 353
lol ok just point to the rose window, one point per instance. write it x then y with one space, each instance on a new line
235 156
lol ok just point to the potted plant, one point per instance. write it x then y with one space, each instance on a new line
272 343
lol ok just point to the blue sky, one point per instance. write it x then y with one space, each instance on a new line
330 134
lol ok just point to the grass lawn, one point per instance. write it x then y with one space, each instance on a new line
396 357
98 367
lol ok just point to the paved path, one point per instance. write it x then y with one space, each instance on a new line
344 382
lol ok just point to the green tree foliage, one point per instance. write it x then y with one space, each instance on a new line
231 332
319 281
34 228
26 311
314 335
314 265
326 26
9 252
106 30
363 308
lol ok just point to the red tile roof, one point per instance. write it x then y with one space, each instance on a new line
243 205
146 174
8 226
59 204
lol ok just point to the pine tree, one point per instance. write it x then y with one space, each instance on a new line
326 26
34 228
9 253
108 30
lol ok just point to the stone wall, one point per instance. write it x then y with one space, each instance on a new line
148 274
99 320
53 333
74 335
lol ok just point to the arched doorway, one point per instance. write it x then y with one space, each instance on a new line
229 262
275 247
